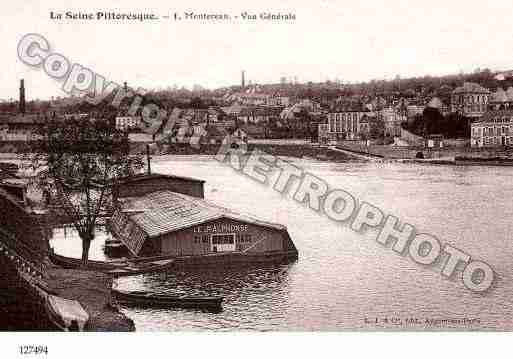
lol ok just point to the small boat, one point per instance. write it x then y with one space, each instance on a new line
66 314
116 268
149 299
75 263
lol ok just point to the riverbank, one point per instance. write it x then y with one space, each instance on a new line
24 300
442 156
292 150
299 149
20 308
466 161
94 291
24 304
30 280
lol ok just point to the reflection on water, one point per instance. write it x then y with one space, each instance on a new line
66 242
252 297
342 278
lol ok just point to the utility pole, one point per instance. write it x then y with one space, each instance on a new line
22 97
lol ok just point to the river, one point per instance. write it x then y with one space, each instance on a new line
343 280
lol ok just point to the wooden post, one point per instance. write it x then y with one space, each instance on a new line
148 158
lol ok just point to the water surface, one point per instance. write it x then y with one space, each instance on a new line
344 280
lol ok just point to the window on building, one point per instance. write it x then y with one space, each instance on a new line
243 238
222 239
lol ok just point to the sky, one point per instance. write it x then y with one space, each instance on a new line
348 40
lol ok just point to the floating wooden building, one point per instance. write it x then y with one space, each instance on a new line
171 224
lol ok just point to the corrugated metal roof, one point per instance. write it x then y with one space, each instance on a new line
164 212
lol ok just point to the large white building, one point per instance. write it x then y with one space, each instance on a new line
470 100
20 127
494 129
251 97
392 120
348 123
125 123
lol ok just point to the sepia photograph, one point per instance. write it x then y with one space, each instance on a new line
230 173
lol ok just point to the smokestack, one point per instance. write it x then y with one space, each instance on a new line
22 96
243 83
125 87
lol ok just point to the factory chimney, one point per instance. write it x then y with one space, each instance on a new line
22 96
243 83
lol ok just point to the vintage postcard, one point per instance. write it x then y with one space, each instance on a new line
292 166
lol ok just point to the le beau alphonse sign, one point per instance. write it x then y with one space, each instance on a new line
220 228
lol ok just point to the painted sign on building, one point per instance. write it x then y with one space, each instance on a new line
220 228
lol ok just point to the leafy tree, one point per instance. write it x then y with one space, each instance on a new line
432 120
82 160
376 127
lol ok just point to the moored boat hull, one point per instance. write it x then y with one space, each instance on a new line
144 299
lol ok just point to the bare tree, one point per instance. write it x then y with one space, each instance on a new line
82 159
